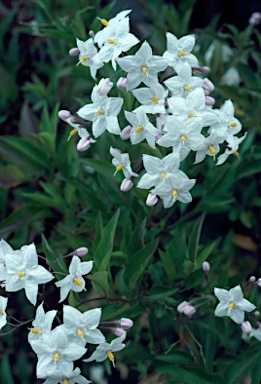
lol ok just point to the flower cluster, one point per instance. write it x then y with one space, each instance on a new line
171 108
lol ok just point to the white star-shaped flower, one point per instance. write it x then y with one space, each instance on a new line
69 377
232 304
42 323
209 146
122 163
88 56
152 99
226 120
3 305
141 128
232 147
5 248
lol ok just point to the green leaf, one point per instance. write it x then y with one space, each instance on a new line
115 311
193 240
100 283
6 370
58 265
168 264
103 167
11 175
204 253
256 372
192 375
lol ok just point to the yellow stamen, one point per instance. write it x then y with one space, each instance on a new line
233 124
100 112
119 167
231 305
183 138
187 88
77 281
191 114
65 381
212 149
80 333
111 357
111 41
104 22
144 69
56 356
84 58
163 175
174 193
138 128
72 133
154 99
1 312
182 53
35 331
20 274
236 153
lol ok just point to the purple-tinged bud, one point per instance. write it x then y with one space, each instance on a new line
246 327
74 52
256 313
64 115
151 200
206 266
252 279
208 86
259 282
189 310
92 34
205 69
255 18
82 251
126 185
209 100
125 133
125 323
182 306
104 87
159 135
122 82
118 331
83 144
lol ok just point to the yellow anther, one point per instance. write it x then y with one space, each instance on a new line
233 124
111 41
187 88
1 312
80 333
183 138
236 153
174 193
144 69
119 167
56 356
138 128
111 357
191 114
77 281
104 22
182 53
154 99
84 58
212 149
73 132
35 331
163 175
65 381
20 274
231 305
100 112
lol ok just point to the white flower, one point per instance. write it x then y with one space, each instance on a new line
105 350
41 324
3 305
81 328
103 113
178 51
68 378
233 144
141 128
152 99
122 163
209 146
226 120
232 304
5 248
88 56
23 271
231 77
142 67
74 281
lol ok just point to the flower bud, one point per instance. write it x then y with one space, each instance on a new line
159 135
246 327
125 323
209 100
74 52
126 185
256 313
83 144
122 82
206 266
64 115
252 279
118 331
208 86
92 34
205 69
151 200
189 310
259 282
125 133
82 251
182 306
104 87
255 18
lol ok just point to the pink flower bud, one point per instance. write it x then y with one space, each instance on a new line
119 331
126 185
125 133
209 100
104 87
206 266
151 200
189 310
82 251
125 323
74 52
252 279
255 18
64 115
246 327
208 85
122 82
182 306
205 69
259 282
83 144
